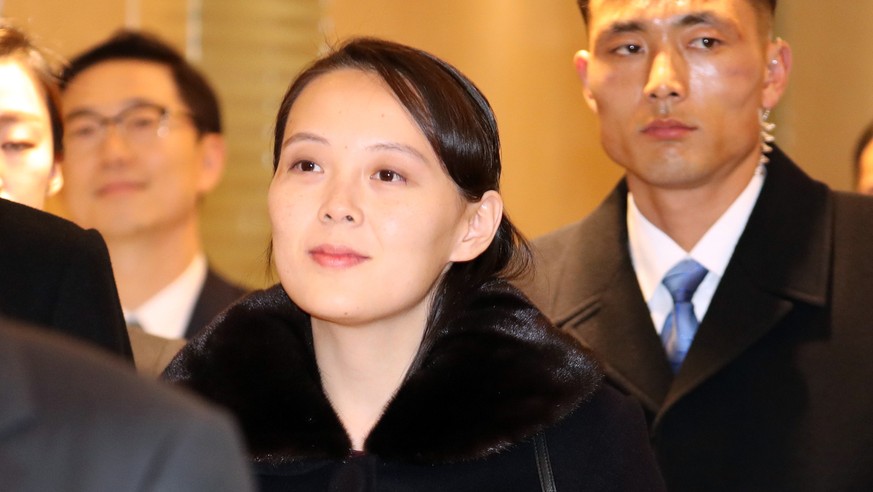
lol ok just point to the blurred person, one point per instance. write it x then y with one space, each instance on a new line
393 355
143 147
30 122
863 169
54 273
718 284
71 419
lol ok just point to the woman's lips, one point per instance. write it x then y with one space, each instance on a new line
336 256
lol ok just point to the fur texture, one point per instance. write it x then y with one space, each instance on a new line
496 374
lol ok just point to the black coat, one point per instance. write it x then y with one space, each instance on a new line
775 392
496 375
57 275
216 295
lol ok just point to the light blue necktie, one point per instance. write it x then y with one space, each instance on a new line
681 324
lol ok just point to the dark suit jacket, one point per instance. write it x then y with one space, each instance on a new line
216 295
73 419
775 393
57 275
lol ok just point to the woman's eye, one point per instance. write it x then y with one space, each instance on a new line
388 175
305 167
17 146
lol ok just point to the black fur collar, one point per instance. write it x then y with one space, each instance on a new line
497 375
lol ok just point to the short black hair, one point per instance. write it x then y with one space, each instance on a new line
16 44
770 5
194 90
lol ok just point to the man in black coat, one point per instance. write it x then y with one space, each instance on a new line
72 419
773 392
58 276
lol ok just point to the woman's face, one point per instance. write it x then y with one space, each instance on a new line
365 219
28 171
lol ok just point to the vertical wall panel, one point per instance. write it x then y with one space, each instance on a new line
251 51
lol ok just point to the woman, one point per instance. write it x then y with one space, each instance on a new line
30 122
393 355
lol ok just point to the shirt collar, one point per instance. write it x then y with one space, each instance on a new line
654 253
166 314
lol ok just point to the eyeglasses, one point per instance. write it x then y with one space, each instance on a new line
140 124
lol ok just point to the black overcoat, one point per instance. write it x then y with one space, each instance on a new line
775 392
496 375
56 275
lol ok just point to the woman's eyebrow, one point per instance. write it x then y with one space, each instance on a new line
399 147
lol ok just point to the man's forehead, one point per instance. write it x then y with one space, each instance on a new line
612 10
114 84
623 15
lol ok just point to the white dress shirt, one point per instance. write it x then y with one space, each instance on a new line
653 253
168 312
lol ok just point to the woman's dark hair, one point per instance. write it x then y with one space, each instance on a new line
459 123
17 45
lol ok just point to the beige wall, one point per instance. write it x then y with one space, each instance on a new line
830 97
67 27
519 52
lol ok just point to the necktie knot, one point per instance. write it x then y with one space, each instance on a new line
681 324
683 279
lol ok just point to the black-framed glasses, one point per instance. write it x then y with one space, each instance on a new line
140 124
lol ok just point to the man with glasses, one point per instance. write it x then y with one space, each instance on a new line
143 145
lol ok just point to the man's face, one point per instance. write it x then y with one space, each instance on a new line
144 173
678 85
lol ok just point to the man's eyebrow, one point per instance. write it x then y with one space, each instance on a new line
707 18
692 19
399 147
621 27
700 18
617 28
130 103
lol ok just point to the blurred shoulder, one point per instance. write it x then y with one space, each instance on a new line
26 226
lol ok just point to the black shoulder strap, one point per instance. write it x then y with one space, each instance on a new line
544 465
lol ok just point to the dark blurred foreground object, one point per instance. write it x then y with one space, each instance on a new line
72 419
58 275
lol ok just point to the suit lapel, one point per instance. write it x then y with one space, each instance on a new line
612 318
618 328
781 259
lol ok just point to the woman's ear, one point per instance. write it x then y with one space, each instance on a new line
482 219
